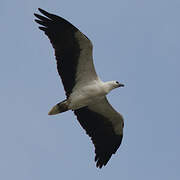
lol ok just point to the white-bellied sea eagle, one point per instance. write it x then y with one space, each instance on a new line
85 92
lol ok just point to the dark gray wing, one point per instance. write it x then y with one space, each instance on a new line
73 50
105 127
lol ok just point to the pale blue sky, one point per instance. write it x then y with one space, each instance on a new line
135 42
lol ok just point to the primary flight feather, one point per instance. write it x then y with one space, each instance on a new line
85 92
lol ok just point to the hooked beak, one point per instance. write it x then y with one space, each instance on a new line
121 85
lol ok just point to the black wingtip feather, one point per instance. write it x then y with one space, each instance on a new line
49 15
43 23
38 21
102 160
43 28
43 11
41 17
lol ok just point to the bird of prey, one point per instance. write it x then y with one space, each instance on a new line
85 92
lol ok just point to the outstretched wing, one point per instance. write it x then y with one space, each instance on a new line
73 50
105 127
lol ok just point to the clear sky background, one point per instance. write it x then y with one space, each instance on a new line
136 42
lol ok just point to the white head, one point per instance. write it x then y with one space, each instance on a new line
110 85
116 84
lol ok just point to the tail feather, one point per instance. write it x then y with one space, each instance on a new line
59 108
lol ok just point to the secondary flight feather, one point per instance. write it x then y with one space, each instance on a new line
85 92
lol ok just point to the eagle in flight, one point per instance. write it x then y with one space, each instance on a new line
85 91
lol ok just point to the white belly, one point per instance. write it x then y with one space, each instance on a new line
86 96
